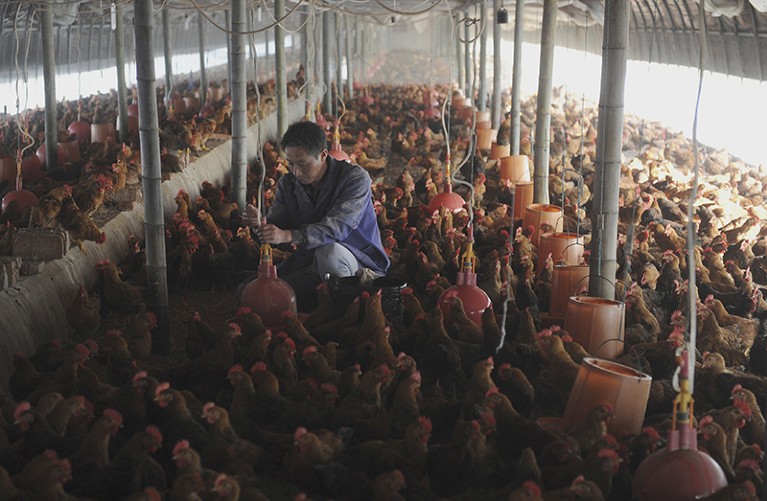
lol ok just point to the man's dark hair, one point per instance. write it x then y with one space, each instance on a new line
306 135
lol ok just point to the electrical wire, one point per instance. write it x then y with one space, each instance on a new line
230 32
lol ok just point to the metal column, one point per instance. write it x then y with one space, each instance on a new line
238 66
151 177
203 76
49 74
609 144
496 111
516 76
483 57
327 100
543 104
228 21
122 90
339 66
167 56
459 47
279 61
468 62
349 66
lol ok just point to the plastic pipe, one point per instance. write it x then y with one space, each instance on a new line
483 57
349 66
168 55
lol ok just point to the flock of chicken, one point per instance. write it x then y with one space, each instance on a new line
349 403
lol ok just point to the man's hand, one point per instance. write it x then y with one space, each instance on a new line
269 233
252 216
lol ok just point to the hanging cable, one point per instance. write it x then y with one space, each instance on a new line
692 291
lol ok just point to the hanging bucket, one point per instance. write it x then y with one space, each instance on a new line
538 214
566 280
514 168
482 116
600 381
179 105
565 247
499 150
269 296
485 124
597 324
485 138
100 132
523 196
192 104
216 94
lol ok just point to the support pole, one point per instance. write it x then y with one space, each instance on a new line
238 83
327 100
467 60
49 75
122 89
279 60
339 63
311 58
362 36
151 177
497 69
349 66
228 21
167 53
543 108
516 76
203 76
483 56
603 262
458 52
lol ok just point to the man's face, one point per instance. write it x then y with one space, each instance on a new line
307 168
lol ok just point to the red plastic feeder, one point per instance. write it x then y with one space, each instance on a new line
81 130
23 198
475 300
679 471
335 150
447 199
268 295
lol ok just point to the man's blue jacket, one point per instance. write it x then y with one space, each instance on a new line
343 213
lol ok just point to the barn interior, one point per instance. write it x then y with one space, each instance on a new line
533 336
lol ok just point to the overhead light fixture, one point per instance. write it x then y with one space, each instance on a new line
502 16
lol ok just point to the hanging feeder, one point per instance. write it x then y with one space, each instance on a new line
23 198
679 470
335 150
538 214
499 150
597 324
268 295
565 282
447 199
626 389
523 196
100 132
514 168
475 300
32 169
563 247
80 128
485 138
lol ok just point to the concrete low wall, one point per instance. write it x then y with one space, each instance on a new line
34 311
